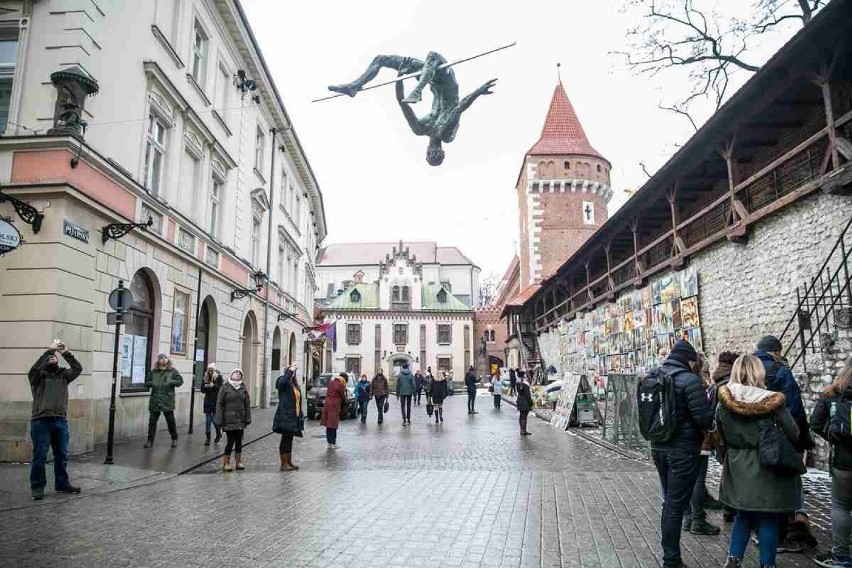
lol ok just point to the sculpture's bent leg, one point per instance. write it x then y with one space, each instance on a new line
433 60
379 62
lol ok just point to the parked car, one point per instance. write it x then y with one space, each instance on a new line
316 397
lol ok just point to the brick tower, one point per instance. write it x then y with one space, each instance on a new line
563 191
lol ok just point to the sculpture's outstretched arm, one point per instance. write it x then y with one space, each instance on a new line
485 89
413 122
451 125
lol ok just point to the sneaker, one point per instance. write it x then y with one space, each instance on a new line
37 494
788 546
68 489
174 443
829 560
705 528
335 447
732 562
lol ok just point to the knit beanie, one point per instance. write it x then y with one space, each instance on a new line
683 351
769 343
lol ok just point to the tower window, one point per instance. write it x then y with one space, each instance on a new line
599 168
567 165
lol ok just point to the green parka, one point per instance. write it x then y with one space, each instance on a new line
163 383
746 484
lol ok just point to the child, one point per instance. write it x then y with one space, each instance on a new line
497 389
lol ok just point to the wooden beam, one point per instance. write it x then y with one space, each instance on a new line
779 160
829 123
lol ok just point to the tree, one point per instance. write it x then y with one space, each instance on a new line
488 289
707 44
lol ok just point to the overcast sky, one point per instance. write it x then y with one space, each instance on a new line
372 171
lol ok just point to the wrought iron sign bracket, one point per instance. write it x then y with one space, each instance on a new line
25 211
241 293
118 230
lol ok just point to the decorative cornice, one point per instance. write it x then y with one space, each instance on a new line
570 185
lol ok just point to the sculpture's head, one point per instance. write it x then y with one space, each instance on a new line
434 153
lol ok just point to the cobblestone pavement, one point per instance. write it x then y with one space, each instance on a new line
470 493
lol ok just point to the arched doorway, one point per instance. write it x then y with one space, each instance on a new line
140 335
276 352
248 356
395 363
208 331
291 351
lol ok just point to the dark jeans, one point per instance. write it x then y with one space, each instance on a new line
405 403
522 420
497 400
512 386
362 408
208 422
471 401
678 471
380 405
235 442
154 417
696 511
331 435
417 394
767 525
49 433
841 513
285 446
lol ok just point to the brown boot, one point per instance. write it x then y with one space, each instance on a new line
239 460
290 461
284 460
226 463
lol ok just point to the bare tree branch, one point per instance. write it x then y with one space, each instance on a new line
644 169
679 111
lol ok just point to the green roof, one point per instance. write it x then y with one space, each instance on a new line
429 294
369 298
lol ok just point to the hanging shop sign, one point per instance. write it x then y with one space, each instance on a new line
75 231
10 236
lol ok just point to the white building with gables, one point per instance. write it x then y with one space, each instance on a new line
398 303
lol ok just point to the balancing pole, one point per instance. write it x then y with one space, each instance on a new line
416 73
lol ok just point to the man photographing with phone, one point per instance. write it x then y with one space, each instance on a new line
49 426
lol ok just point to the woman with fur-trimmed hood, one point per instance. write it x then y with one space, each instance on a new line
759 494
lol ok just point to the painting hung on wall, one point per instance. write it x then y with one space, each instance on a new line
688 282
689 311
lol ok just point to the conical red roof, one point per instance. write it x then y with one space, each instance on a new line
562 132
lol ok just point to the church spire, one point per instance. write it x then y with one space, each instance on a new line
562 133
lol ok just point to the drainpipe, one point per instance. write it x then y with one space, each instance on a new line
264 396
194 351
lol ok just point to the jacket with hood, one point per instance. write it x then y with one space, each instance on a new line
362 390
779 378
693 412
49 385
438 389
470 381
233 407
380 386
405 382
211 391
163 383
746 484
288 413
524 401
841 454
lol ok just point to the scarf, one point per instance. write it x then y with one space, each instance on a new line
234 384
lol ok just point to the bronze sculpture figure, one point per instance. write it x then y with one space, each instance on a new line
442 122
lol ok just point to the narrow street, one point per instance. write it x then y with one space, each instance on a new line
470 492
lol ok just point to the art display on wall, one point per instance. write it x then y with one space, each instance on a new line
631 335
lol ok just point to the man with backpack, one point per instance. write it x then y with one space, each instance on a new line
779 378
674 413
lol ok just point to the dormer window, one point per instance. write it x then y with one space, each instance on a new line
395 294
355 296
406 294
442 296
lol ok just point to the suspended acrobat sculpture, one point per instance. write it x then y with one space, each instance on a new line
442 122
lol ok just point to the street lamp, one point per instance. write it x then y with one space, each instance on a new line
259 278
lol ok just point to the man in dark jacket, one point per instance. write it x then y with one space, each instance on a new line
380 390
678 459
405 391
779 378
513 381
470 383
49 426
419 380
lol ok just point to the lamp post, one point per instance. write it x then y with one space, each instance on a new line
121 299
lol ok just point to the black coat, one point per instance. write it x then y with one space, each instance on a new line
841 455
233 408
524 401
693 411
211 392
438 391
470 381
288 417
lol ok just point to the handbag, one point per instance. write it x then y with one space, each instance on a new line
387 406
491 388
430 408
777 452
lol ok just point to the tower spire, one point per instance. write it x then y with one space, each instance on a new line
559 73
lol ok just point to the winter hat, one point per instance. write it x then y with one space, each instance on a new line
684 351
162 356
769 343
211 366
405 365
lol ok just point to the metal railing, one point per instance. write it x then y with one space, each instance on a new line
818 301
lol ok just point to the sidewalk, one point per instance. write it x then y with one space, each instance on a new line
133 465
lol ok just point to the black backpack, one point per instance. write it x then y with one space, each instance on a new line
655 396
840 416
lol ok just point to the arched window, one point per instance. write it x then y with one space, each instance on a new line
138 341
492 336
395 294
442 296
406 294
355 296
599 167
